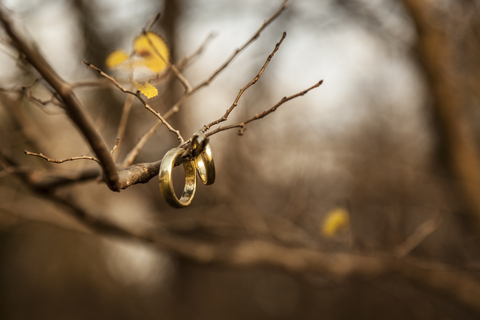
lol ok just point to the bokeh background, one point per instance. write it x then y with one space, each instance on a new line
368 142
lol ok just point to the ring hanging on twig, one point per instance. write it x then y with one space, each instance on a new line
166 184
206 166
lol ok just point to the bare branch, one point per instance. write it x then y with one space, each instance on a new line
243 125
187 60
115 82
177 73
46 180
27 127
139 97
62 160
183 63
96 83
143 140
155 19
115 146
251 83
159 116
423 231
73 106
138 173
437 60
123 123
254 37
52 180
176 107
181 78
43 103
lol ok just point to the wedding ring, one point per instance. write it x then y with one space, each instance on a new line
206 166
166 184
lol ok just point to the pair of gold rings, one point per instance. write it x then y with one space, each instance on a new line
203 164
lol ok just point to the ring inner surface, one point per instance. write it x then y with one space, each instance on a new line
206 166
202 171
166 181
190 182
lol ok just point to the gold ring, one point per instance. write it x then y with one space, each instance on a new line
206 166
166 184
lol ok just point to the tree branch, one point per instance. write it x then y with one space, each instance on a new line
423 231
279 11
73 106
52 100
41 155
436 59
42 180
243 125
176 107
139 97
251 83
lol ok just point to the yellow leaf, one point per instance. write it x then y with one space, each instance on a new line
147 89
336 221
154 51
115 58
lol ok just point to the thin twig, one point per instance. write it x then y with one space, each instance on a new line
73 106
41 155
176 107
251 83
46 180
182 79
53 100
243 125
182 64
423 231
143 140
254 37
187 60
97 83
163 120
177 73
115 146
139 97
123 122
22 120
115 82
155 19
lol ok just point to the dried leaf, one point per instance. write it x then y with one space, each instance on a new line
336 221
154 51
115 58
147 89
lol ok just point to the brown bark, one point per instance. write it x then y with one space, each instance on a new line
435 56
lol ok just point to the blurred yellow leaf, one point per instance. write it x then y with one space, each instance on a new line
154 51
147 89
336 221
115 58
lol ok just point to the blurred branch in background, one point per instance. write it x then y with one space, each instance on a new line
437 60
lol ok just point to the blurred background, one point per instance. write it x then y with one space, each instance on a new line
386 145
